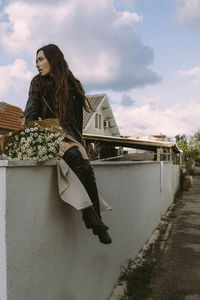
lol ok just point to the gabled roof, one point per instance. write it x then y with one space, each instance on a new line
94 100
10 116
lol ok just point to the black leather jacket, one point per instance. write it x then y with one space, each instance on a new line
40 104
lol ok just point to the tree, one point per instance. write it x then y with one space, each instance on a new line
190 148
180 137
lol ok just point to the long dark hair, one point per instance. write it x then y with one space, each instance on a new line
63 76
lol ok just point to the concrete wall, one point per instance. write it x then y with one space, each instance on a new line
3 273
169 184
45 250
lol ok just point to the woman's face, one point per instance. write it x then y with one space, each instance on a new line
42 64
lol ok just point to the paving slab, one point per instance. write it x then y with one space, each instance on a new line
177 276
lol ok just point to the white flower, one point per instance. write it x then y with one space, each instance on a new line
61 153
27 130
48 138
44 149
23 140
27 145
19 156
29 139
23 149
52 149
40 139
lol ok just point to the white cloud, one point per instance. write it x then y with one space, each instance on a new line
194 73
188 12
179 118
127 18
100 44
14 76
28 25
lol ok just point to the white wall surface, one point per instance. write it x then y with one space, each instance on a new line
3 273
176 176
91 129
49 253
170 175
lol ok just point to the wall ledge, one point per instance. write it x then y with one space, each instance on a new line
104 162
27 163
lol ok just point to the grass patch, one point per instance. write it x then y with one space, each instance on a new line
138 273
138 280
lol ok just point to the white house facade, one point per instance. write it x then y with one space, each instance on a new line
101 121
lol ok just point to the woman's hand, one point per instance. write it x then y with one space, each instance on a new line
64 146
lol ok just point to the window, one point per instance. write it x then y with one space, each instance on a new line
98 121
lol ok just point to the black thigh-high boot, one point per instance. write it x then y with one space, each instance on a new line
83 170
91 187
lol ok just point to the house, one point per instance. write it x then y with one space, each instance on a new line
152 150
10 118
100 122
145 153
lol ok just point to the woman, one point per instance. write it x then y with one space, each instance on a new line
56 93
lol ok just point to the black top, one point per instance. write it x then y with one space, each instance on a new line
40 104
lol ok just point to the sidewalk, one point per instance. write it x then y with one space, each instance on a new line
177 275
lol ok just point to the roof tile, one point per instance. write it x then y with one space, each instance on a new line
10 116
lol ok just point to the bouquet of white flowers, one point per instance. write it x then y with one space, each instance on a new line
38 141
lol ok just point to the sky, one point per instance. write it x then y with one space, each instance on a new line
144 54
